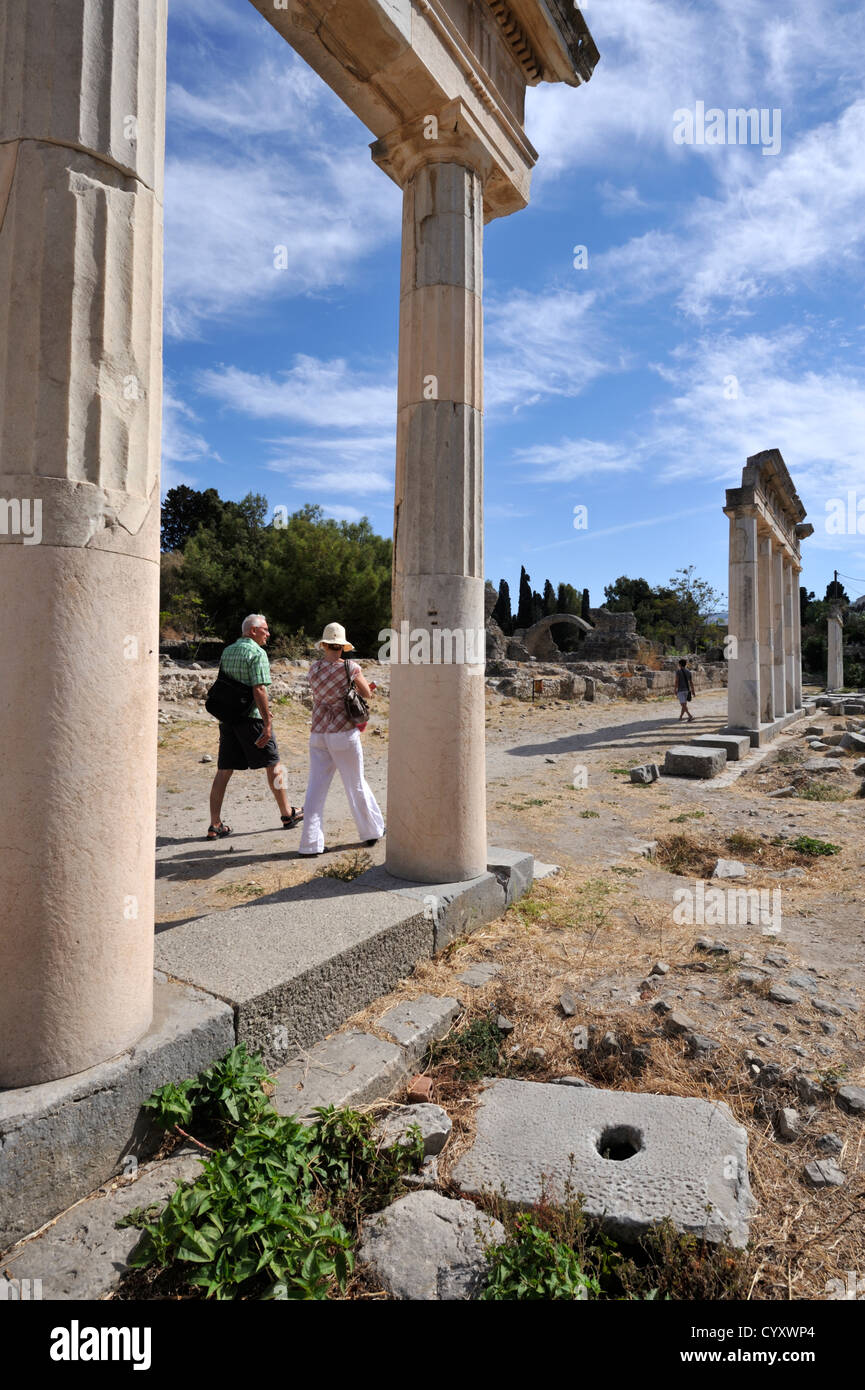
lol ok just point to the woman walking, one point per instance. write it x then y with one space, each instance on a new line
334 744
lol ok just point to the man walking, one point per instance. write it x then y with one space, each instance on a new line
248 742
685 689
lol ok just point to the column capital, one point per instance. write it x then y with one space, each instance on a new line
451 135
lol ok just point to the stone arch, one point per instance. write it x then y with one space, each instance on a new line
538 639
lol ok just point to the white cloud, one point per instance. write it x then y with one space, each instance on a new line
615 199
816 418
574 458
342 513
660 55
311 392
240 233
539 346
180 442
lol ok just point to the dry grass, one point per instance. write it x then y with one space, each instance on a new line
566 933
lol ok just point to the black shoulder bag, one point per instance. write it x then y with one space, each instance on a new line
228 699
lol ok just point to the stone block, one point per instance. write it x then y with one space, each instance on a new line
514 870
346 1070
427 1248
311 955
433 1122
854 742
61 1140
83 1255
822 765
852 1099
736 746
637 1158
729 868
682 760
479 974
416 1023
646 773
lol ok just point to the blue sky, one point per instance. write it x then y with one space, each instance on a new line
720 312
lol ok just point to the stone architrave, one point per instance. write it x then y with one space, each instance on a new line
82 129
835 674
441 83
767 527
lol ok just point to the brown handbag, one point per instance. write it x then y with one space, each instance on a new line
356 707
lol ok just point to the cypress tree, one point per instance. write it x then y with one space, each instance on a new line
502 611
524 608
585 612
549 600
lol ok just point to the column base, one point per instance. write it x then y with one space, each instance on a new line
764 733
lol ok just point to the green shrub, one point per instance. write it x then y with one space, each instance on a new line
532 1264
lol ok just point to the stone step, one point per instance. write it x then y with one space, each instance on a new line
296 964
83 1255
736 746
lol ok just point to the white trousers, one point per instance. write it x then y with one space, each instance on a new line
327 753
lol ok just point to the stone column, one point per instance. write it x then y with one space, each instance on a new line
743 683
797 642
835 679
82 120
436 816
791 608
779 685
766 635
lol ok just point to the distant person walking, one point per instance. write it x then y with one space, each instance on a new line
334 744
248 742
685 690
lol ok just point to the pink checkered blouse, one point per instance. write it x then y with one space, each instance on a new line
328 683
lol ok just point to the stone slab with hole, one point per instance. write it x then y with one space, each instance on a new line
637 1158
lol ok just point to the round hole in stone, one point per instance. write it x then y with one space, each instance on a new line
620 1142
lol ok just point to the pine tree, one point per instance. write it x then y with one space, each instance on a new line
524 608
502 611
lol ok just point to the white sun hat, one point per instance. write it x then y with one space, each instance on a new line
333 633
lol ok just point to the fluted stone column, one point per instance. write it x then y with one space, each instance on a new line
766 635
835 678
791 603
779 686
797 642
82 85
743 681
436 813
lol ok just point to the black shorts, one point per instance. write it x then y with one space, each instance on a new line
237 749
